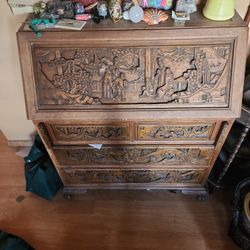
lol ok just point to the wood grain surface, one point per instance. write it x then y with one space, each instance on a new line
110 219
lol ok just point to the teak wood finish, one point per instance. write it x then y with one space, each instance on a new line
161 99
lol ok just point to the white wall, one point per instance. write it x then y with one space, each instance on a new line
13 120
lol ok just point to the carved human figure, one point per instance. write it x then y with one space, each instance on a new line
119 87
107 85
167 88
159 77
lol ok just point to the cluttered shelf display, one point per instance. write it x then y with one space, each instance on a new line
143 102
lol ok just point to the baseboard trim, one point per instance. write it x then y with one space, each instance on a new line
20 143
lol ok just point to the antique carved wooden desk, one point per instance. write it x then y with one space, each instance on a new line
161 99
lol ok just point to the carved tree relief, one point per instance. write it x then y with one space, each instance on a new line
166 75
132 176
131 155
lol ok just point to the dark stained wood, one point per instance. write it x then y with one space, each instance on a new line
163 98
111 219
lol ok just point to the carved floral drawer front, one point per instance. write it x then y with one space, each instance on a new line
172 132
133 155
73 176
168 76
77 134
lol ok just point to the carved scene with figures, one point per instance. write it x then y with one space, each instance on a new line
170 75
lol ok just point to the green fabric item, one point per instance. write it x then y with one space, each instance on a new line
12 242
40 173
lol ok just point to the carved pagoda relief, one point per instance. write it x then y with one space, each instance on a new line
189 75
134 155
81 176
174 132
170 75
89 132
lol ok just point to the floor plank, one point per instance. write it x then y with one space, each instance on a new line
112 220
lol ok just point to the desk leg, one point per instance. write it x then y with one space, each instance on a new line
232 156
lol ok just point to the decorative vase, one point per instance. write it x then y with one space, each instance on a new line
219 10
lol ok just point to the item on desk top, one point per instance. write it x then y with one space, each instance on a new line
157 4
187 6
154 16
83 17
180 16
40 8
70 24
85 2
115 10
102 9
79 8
37 24
219 10
127 4
134 14
91 8
64 9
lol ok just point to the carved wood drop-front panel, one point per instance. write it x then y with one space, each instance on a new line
170 75
80 176
151 155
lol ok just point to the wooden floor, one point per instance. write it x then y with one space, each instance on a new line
110 220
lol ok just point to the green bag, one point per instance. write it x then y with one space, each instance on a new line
40 173
12 242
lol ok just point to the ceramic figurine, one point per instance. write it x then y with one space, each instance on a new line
40 8
79 9
115 10
102 9
187 6
127 4
154 16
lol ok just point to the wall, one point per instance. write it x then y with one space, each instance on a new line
13 120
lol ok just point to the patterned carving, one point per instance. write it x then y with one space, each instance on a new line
172 132
189 75
80 176
88 132
90 76
134 155
168 75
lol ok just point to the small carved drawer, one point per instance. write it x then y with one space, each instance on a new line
82 133
189 132
136 156
116 177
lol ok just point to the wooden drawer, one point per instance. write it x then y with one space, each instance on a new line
135 155
167 132
170 132
83 133
116 177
